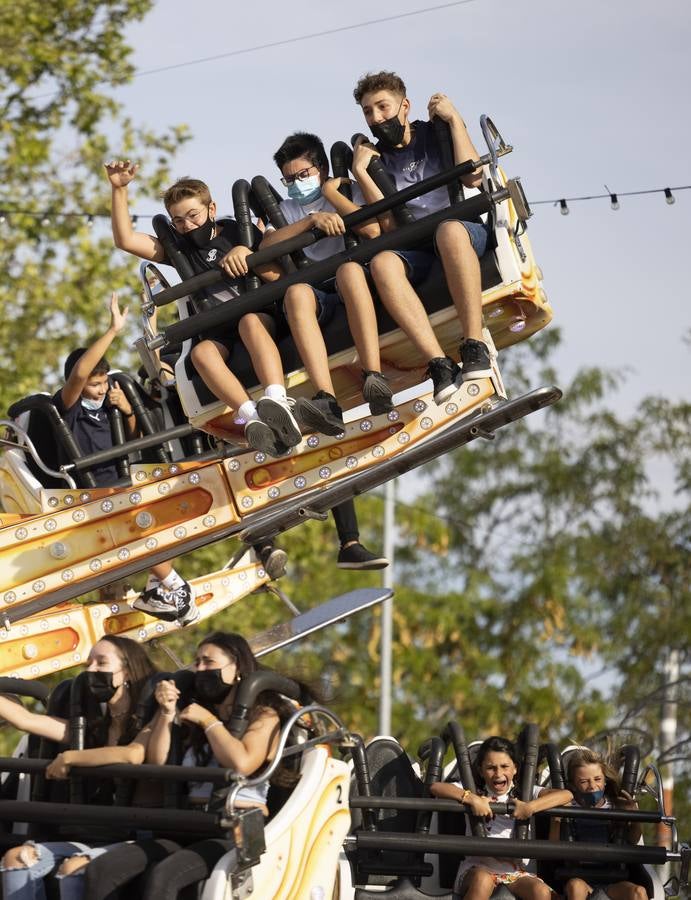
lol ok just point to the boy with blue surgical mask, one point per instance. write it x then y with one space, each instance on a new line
81 402
315 201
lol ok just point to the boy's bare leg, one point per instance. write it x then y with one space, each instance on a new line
477 884
626 890
256 333
300 306
162 570
462 272
530 888
405 307
362 320
209 360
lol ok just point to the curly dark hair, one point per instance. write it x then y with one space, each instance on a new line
379 81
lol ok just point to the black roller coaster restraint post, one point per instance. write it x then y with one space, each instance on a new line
465 209
250 688
385 182
453 734
24 688
228 313
443 135
168 239
549 752
243 217
270 199
341 164
630 757
117 432
63 435
77 729
142 415
432 751
529 742
362 779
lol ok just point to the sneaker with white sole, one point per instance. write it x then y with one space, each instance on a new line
169 604
444 373
377 393
355 556
475 360
261 437
278 415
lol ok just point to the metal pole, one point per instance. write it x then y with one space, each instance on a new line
668 738
387 610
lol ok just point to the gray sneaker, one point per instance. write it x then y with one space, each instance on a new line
278 415
377 393
322 413
261 437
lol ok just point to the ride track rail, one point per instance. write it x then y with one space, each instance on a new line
313 503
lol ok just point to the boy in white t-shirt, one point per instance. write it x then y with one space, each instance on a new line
315 201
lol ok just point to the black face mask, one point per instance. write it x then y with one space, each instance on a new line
210 687
100 686
390 132
201 235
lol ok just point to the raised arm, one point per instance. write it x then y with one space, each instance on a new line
34 723
158 745
463 147
120 173
86 363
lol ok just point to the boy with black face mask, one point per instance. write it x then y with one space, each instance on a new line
209 243
81 403
410 152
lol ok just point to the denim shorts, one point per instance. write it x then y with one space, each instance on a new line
419 262
327 301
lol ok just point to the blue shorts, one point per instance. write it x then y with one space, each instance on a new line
327 301
419 262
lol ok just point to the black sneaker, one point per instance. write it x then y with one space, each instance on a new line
278 415
261 437
274 560
443 371
475 360
355 556
377 393
322 413
176 604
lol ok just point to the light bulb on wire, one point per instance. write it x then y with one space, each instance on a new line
563 208
669 196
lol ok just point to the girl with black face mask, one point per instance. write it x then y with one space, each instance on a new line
222 660
117 669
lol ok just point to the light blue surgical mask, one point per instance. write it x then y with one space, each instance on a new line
305 191
92 404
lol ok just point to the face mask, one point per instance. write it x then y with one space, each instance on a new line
390 132
305 191
93 404
202 234
589 798
209 686
100 686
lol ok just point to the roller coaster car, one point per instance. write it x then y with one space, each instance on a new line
408 846
57 544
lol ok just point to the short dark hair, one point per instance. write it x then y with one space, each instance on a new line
379 81
302 143
102 367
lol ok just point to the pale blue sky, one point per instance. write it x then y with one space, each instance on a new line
588 93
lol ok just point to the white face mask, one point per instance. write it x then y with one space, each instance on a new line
93 404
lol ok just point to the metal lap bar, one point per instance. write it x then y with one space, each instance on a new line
168 820
501 809
229 313
507 847
152 440
142 772
364 214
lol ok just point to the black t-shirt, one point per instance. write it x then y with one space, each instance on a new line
205 258
91 430
420 159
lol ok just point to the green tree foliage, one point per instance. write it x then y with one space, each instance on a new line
58 59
